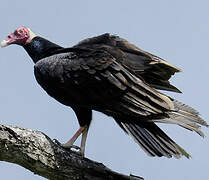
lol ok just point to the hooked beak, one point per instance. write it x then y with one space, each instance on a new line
9 40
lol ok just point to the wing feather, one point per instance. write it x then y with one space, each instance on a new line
153 69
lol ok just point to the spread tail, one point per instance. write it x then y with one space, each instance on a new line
184 116
153 140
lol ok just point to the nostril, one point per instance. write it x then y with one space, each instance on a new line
9 36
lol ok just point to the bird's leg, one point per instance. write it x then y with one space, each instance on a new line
82 130
70 143
83 140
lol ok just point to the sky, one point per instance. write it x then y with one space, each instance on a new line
177 31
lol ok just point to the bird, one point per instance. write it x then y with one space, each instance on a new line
106 73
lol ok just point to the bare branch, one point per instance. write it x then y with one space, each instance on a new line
38 153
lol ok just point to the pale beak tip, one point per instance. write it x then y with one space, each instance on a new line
4 43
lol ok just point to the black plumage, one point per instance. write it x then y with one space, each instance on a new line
108 74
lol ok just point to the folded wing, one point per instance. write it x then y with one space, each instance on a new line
154 70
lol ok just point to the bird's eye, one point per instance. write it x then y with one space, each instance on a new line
20 31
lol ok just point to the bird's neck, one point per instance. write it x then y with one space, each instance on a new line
39 47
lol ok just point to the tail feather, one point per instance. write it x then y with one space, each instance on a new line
153 140
189 112
184 116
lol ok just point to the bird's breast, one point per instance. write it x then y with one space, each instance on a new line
65 83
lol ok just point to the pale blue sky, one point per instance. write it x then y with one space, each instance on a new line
177 31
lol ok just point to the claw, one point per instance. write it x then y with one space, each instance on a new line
67 146
57 142
70 147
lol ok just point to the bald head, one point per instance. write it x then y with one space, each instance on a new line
20 36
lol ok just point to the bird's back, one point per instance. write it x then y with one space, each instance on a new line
153 69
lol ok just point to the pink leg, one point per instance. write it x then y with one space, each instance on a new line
70 143
83 140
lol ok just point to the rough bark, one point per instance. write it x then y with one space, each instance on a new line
37 152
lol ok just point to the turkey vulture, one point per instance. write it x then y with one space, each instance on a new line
108 74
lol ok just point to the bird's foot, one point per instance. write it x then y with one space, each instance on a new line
68 146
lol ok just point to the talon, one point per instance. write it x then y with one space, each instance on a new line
57 142
67 146
70 147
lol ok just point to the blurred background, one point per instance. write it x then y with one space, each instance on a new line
177 31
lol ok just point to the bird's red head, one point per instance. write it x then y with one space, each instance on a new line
20 36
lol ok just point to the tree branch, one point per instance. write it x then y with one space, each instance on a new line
38 153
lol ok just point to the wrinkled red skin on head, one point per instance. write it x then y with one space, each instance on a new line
20 36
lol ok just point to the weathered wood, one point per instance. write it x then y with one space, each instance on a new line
37 152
